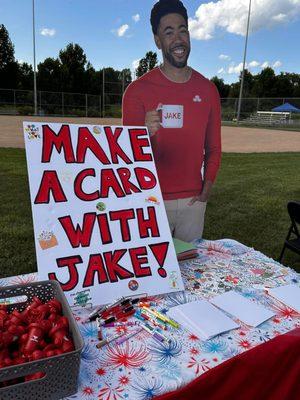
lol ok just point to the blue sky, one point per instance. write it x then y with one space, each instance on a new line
117 33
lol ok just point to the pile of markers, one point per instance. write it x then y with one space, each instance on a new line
147 318
155 322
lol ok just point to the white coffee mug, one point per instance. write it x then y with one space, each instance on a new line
171 115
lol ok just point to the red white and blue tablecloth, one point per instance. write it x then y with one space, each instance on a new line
142 368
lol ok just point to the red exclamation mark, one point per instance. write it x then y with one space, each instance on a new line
160 251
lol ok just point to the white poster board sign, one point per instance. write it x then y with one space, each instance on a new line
100 224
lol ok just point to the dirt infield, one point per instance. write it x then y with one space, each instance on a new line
234 139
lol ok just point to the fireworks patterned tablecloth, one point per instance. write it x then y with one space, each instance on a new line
142 368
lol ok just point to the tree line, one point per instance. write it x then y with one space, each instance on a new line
69 72
72 72
264 84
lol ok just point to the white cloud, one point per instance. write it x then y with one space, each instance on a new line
253 64
122 30
199 31
48 32
235 69
265 64
135 64
136 17
277 64
224 57
280 17
231 16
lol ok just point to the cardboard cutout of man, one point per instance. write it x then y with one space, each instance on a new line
181 109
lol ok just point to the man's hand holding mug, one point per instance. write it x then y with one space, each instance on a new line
166 116
152 121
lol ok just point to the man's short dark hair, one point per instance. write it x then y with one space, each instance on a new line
164 7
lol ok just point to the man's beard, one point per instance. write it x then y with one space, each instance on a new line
177 64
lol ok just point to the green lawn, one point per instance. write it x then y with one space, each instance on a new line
248 204
243 124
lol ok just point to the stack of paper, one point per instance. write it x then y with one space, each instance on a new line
202 319
184 250
242 308
288 294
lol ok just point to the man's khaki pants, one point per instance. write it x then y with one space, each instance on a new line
186 222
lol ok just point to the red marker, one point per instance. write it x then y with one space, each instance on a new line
125 313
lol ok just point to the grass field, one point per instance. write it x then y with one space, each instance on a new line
295 127
248 204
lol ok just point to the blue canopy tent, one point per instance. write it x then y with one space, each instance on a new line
286 107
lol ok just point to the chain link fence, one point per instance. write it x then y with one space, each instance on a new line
108 104
21 102
258 111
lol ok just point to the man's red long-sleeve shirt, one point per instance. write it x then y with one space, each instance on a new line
179 153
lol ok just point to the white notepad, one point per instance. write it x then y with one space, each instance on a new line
202 318
288 294
242 308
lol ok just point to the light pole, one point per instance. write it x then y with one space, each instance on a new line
103 93
34 61
244 63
